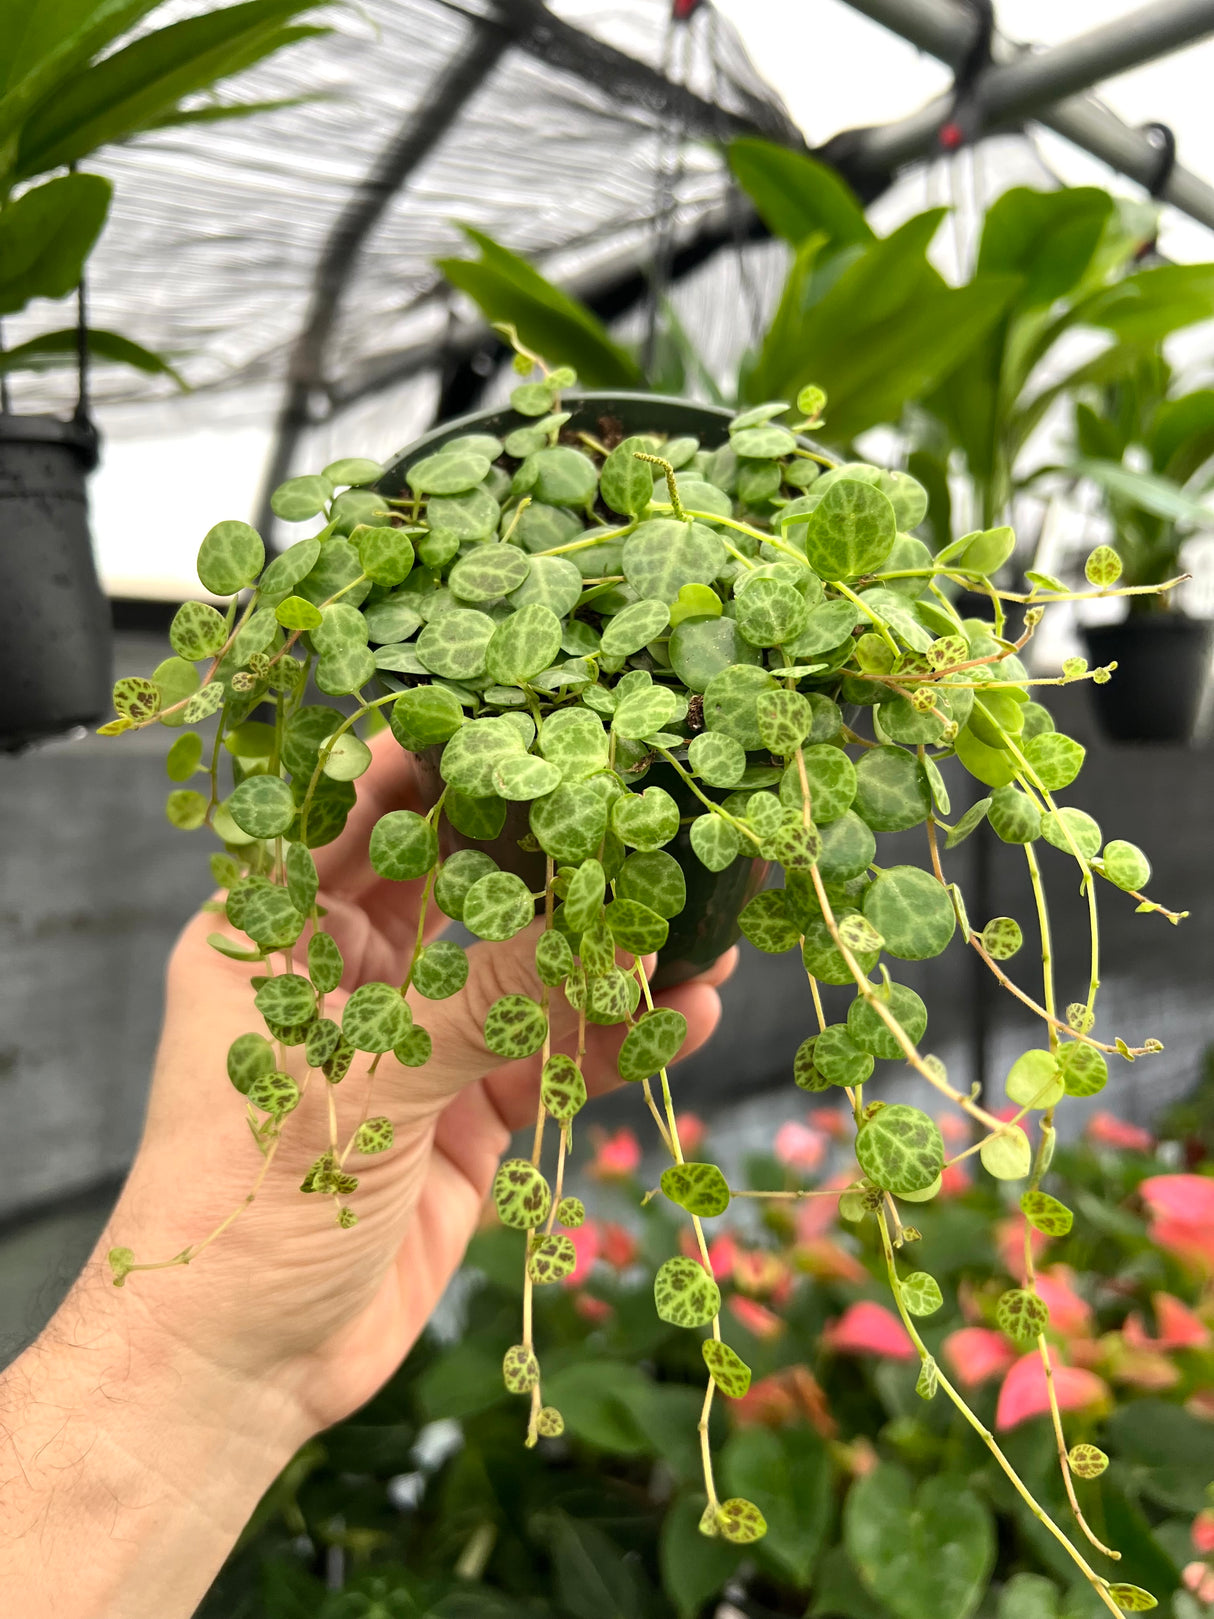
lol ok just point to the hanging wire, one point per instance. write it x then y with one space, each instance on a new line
6 403
734 200
670 163
81 412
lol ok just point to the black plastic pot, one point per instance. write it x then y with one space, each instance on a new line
708 924
1163 671
55 650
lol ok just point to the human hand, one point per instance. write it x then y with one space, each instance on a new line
284 1297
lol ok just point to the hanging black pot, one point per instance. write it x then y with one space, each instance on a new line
55 651
708 924
1163 671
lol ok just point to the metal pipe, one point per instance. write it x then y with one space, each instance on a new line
939 28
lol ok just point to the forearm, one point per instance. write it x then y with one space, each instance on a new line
128 1466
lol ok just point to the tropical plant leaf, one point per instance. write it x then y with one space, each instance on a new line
57 348
796 196
46 235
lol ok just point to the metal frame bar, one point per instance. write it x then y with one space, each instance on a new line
1041 85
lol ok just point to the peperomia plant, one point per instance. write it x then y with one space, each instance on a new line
623 661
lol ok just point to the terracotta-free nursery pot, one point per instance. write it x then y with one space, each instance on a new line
708 924
55 650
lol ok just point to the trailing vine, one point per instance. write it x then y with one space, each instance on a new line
620 659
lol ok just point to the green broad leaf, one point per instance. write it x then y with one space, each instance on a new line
1125 865
249 1057
448 472
969 822
642 713
765 921
553 582
1014 817
46 235
663 555
634 628
701 1189
921 1293
731 703
456 876
230 557
197 631
325 964
729 1371
375 1018
656 879
521 1195
1046 1213
702 648
482 818
1072 831
1146 490
846 850
652 1043
575 741
345 757
796 196
523 776
900 1149
789 1476
515 1026
403 845
694 1568
717 759
715 842
1008 1155
497 906
635 927
838 1059
52 349
1034 1081
563 1093
911 911
891 791
287 998
570 822
474 753
850 531
685 1294
440 970
563 476
645 820
832 780
522 645
184 757
509 290
425 716
301 498
771 612
1083 1069
262 806
626 484
925 1553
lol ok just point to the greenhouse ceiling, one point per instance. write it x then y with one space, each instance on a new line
288 262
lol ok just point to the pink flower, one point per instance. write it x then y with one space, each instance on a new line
868 1329
1024 1393
1183 1207
954 1180
976 1354
829 1262
618 1156
722 1252
756 1318
781 1399
692 1131
954 1129
1145 1369
832 1121
618 1246
798 1147
1199 1578
757 1270
591 1309
1069 1314
1107 1130
1179 1327
1203 1532
585 1242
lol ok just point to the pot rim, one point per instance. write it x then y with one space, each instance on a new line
79 435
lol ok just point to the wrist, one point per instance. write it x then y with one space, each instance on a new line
128 1463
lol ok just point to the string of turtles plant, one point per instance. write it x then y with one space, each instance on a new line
553 618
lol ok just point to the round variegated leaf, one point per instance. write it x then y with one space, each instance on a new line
921 1293
425 716
715 842
785 720
1008 1156
584 896
324 1038
249 1056
731 703
570 823
553 582
643 712
456 876
553 1258
891 791
286 998
523 644
766 923
325 964
441 969
1001 938
197 631
699 1188
497 906
850 531
403 846
870 1031
520 1369
739 1521
230 557
1083 1069
656 879
274 1093
900 1149
455 645
515 1026
685 1294
652 1043
1046 1213
1087 1461
375 1018
448 472
1084 833
1056 759
373 1135
262 806
770 612
1125 865
473 754
838 1058
911 911
1021 1314
634 628
636 928
571 1212
575 741
562 1089
414 1048
646 820
521 1195
729 1371
701 648
717 759
662 555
